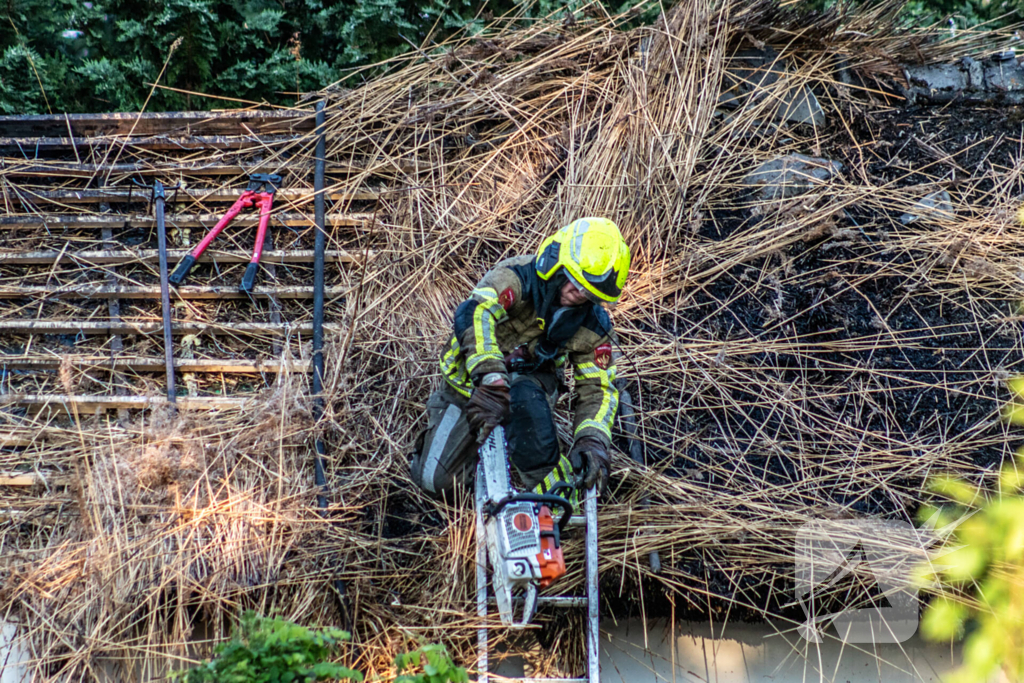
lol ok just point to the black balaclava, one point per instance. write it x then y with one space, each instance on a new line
560 322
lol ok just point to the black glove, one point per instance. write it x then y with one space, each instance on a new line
590 463
487 408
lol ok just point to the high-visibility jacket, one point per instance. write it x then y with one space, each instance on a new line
501 316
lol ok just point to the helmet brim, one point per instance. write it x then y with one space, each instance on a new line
591 297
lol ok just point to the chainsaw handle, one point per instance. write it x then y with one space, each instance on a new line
537 498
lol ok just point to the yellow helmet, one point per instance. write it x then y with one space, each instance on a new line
593 254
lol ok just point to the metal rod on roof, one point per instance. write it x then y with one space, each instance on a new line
159 199
319 249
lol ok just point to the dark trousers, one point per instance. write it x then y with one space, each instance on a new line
446 452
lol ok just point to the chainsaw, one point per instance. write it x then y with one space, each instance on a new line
524 546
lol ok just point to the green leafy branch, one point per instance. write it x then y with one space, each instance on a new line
980 575
271 650
274 650
429 664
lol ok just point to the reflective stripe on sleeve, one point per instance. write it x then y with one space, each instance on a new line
560 474
484 294
485 317
453 370
605 415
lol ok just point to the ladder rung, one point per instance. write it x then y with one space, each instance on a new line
553 600
562 600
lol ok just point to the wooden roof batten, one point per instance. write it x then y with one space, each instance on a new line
74 176
187 123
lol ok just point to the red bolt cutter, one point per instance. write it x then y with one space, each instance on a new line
259 192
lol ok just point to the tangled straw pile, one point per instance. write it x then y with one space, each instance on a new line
799 358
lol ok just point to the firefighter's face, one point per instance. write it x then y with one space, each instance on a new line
569 295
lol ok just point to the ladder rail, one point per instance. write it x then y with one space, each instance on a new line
589 521
481 576
593 615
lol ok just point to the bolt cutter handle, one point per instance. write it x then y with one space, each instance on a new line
181 272
259 192
264 201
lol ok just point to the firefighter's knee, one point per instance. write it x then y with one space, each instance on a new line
530 428
443 456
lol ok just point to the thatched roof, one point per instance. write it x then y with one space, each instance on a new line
799 356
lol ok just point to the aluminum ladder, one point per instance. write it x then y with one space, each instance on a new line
589 521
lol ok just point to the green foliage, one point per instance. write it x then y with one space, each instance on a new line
105 55
982 577
963 13
265 650
268 650
19 89
429 664
957 14
113 82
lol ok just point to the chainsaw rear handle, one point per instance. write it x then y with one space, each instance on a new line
543 498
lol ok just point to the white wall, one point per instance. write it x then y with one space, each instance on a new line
746 653
11 656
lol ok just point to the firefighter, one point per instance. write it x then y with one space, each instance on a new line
505 364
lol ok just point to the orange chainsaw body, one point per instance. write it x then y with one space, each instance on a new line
550 559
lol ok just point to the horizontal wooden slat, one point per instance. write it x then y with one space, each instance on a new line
181 220
40 519
28 436
8 440
129 327
103 291
19 166
91 403
196 365
15 166
16 478
190 122
102 258
32 146
118 194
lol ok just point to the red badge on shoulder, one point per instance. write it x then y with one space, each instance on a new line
603 356
507 298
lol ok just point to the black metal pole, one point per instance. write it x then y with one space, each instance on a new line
159 199
318 300
319 247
